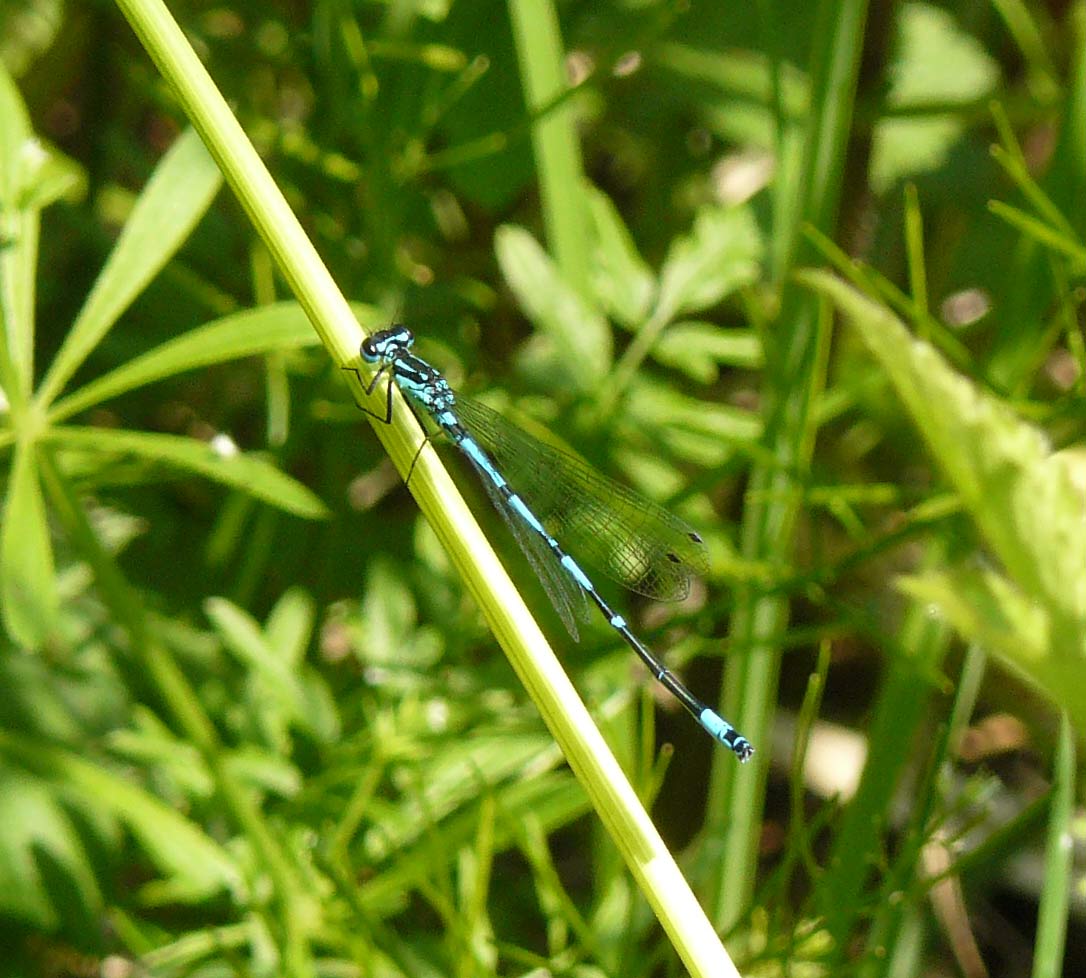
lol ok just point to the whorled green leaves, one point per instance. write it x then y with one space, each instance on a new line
179 192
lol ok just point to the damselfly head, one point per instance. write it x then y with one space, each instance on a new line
387 344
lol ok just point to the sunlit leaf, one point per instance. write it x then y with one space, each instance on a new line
15 132
290 624
247 473
18 243
580 335
39 842
244 637
54 177
195 866
281 326
720 255
26 556
623 283
936 63
169 207
1023 498
988 609
699 349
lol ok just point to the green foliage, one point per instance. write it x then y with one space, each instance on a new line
938 76
1023 498
251 720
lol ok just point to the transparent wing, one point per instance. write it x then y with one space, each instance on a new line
566 596
627 537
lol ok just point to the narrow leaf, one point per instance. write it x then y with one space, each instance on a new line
699 349
19 153
177 195
722 254
247 473
276 327
15 131
290 625
177 846
622 281
39 845
30 601
54 177
580 334
1022 497
245 638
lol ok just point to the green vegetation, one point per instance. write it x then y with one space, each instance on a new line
812 275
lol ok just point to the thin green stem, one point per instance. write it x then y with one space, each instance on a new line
1059 861
795 357
541 57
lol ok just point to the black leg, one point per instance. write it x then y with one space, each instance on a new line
427 435
368 390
